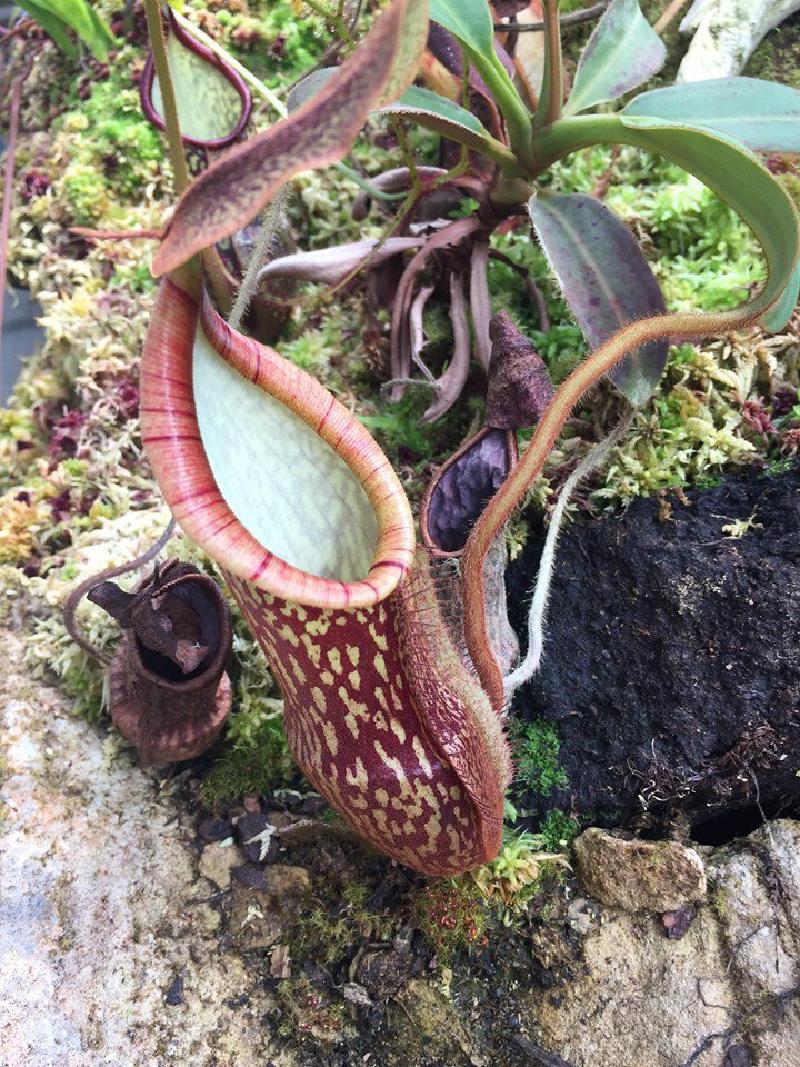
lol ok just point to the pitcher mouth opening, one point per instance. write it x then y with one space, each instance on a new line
263 468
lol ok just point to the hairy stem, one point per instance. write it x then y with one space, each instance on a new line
541 593
678 327
270 222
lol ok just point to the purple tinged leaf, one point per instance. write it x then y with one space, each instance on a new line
480 302
451 382
329 266
241 183
605 279
623 52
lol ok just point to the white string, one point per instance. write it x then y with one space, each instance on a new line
541 593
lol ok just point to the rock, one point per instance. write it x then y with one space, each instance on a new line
726 33
356 994
671 665
255 831
582 914
262 917
383 973
100 907
216 861
634 998
638 875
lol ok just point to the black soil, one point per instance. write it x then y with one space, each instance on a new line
672 666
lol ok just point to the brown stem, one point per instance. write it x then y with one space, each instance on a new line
669 14
574 18
554 88
534 292
116 235
80 591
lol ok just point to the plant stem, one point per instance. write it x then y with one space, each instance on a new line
270 221
155 31
572 19
668 15
549 109
517 116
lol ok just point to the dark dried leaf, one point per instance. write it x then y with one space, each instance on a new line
519 383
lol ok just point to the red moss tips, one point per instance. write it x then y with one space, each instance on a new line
215 61
172 440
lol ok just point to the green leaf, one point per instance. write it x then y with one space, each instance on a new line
241 183
76 15
468 20
54 27
730 170
779 314
623 51
604 278
762 115
451 120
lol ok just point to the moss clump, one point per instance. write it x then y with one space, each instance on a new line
113 150
452 915
536 749
558 830
256 767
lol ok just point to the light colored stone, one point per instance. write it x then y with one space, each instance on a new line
216 861
635 998
639 875
100 909
726 33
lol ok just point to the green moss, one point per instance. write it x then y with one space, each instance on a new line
255 767
452 915
558 830
536 748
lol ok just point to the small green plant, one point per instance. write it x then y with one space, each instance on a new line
537 747
451 913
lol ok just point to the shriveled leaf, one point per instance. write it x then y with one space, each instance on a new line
605 279
332 265
451 120
779 314
460 490
240 184
730 170
623 51
763 115
452 380
213 102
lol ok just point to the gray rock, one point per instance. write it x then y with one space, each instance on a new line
216 862
100 907
639 875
